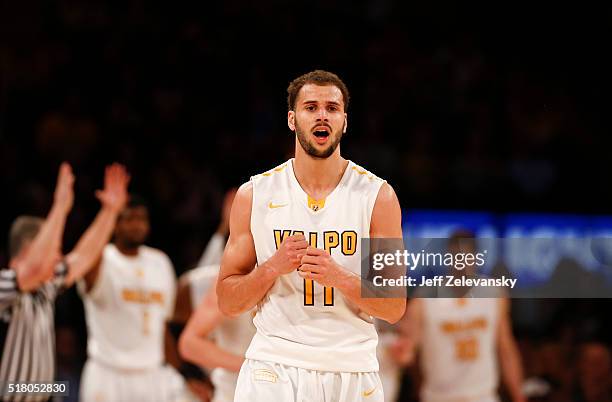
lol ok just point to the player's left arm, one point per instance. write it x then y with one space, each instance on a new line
509 356
194 343
183 305
318 265
88 251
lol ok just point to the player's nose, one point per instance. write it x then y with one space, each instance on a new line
323 115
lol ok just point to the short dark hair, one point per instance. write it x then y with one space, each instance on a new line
317 77
24 229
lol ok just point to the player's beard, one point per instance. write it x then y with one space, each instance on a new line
310 148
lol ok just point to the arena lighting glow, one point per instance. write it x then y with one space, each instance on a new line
529 245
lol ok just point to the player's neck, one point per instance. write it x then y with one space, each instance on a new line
318 177
126 250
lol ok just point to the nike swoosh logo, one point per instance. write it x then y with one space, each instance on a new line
273 206
368 393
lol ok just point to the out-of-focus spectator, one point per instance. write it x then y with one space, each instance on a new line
594 382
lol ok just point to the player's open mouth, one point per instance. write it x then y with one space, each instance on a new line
321 134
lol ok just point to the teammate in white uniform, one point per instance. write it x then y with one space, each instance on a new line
462 341
193 285
127 299
213 341
390 370
300 225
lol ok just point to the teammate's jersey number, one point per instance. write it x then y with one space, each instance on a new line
466 349
146 323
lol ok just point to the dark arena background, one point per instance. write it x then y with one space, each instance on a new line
498 111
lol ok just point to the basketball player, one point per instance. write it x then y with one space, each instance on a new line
193 285
300 225
128 297
390 371
224 353
462 341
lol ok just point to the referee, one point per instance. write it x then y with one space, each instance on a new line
29 288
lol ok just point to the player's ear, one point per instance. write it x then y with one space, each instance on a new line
291 120
345 124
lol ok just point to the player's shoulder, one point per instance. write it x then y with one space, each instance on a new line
244 197
111 252
361 179
271 174
358 172
155 253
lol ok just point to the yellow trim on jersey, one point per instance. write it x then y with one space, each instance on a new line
370 175
275 170
315 205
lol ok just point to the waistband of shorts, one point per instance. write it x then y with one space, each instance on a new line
292 366
122 370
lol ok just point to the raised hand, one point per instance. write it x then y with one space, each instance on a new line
115 194
64 189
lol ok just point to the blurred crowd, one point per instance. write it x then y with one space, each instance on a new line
455 106
458 107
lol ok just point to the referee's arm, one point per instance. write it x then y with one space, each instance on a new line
44 252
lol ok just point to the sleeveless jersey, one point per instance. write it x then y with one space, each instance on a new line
201 279
127 308
459 348
299 322
233 334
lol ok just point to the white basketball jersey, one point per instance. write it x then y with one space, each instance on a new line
127 309
201 280
300 323
233 334
459 348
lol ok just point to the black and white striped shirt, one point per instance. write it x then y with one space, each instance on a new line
27 329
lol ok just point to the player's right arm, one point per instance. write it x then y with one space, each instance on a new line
241 286
45 250
87 253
